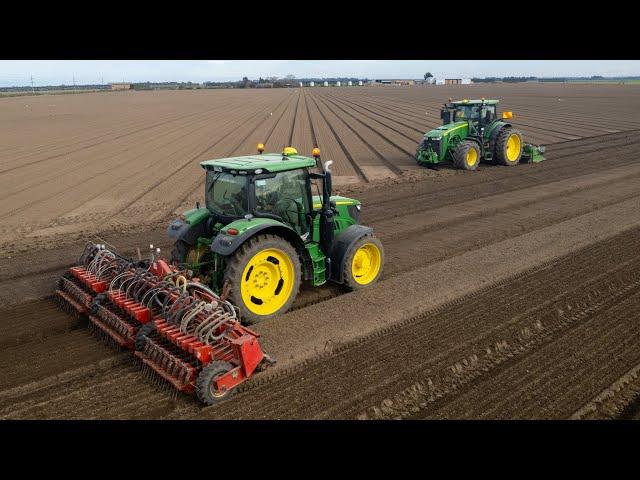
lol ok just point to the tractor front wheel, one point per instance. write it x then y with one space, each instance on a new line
363 263
508 147
264 274
466 156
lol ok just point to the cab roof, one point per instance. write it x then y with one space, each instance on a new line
270 162
476 102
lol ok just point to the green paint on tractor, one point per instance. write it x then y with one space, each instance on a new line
472 132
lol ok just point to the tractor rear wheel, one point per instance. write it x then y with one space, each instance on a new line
466 156
264 274
363 263
508 149
206 389
184 252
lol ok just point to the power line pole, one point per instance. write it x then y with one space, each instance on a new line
74 82
33 90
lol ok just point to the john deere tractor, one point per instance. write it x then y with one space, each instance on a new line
471 132
263 232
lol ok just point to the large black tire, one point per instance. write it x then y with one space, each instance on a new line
205 387
350 278
234 275
502 152
466 156
184 252
143 332
180 251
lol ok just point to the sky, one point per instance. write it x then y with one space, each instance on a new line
57 72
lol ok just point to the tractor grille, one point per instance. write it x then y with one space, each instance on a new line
433 144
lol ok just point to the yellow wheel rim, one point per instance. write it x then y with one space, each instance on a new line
472 157
366 264
513 147
267 281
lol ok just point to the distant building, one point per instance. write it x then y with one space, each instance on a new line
396 81
326 84
338 84
120 86
457 81
312 84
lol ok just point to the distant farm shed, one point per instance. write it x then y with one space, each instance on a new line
457 81
120 86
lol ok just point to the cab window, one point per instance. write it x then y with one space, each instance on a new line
488 113
466 112
226 194
284 195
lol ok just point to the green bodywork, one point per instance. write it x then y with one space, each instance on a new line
439 144
211 265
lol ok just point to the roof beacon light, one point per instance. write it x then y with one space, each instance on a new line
289 151
260 147
315 152
507 115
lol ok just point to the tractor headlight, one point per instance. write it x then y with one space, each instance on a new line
358 207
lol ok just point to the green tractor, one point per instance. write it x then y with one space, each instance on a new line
470 132
263 232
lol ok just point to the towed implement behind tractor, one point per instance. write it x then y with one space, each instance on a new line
239 260
180 329
471 132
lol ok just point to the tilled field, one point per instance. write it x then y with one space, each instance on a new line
508 293
124 161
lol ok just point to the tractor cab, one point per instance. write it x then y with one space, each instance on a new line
477 112
272 186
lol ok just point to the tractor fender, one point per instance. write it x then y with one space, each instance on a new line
181 230
341 246
496 130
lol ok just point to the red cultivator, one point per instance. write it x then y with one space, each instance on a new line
180 329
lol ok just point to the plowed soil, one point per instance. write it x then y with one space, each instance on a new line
507 293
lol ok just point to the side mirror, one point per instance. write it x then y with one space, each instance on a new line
507 115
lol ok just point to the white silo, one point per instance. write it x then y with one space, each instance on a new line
312 84
300 83
349 83
326 84
338 84
359 83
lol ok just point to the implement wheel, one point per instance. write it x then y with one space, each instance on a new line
363 263
466 156
264 274
508 146
206 389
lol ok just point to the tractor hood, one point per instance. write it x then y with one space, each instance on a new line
444 130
